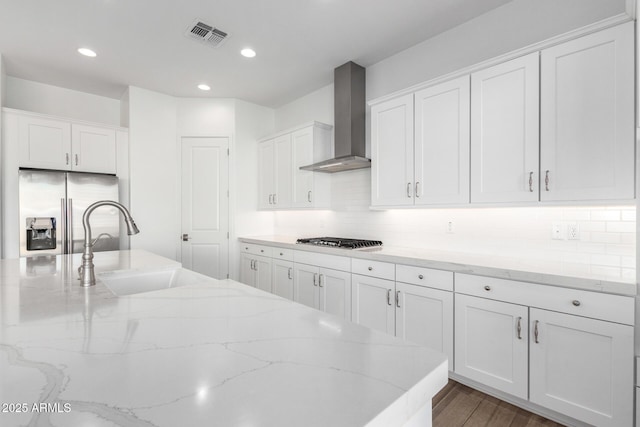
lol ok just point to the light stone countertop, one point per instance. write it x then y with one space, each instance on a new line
458 262
211 353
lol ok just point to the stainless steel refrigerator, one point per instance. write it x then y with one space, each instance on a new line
51 208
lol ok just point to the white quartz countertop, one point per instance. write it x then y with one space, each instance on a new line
210 353
459 262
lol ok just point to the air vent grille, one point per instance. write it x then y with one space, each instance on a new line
206 33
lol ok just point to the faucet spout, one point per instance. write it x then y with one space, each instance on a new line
86 270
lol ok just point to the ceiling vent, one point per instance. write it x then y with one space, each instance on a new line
206 33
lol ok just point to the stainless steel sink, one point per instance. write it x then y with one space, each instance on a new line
122 283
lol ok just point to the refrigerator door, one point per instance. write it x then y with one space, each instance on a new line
83 189
42 212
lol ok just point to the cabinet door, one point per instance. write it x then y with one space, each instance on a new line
44 143
425 316
266 178
373 303
302 154
335 292
392 152
262 267
491 343
282 283
282 171
582 367
442 143
247 273
93 149
305 285
587 117
504 132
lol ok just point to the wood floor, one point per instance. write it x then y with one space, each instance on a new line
458 405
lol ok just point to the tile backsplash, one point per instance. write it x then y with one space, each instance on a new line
606 244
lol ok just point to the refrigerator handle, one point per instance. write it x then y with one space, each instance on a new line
70 225
63 226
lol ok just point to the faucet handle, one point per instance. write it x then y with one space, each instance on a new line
80 270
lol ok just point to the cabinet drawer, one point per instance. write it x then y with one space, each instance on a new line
614 308
251 248
333 262
383 270
283 254
428 277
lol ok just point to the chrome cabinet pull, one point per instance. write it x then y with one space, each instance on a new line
531 182
420 276
546 181
289 273
370 268
408 189
417 189
252 261
320 280
576 303
535 332
309 196
185 237
519 327
388 296
398 299
315 279
270 199
487 288
76 159
67 158
275 199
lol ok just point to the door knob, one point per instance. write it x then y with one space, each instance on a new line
185 237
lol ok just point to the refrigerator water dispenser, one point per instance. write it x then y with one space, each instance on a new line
41 233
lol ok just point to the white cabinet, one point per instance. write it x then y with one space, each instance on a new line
505 132
441 168
57 144
582 367
392 152
323 289
587 117
373 302
255 270
491 343
281 183
282 282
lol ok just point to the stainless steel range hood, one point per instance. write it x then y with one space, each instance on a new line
349 119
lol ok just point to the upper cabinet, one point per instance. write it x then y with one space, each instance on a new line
504 132
48 143
554 125
420 147
587 117
281 183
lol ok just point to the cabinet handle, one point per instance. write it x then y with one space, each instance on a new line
531 182
388 296
252 264
275 199
289 273
270 199
420 276
417 189
487 288
398 299
519 328
546 181
576 303
67 157
535 332
370 268
309 196
408 189
315 279
76 159
320 280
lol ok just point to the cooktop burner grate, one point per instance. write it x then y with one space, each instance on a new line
340 242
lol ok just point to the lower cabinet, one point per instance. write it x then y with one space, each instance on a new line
373 303
324 289
491 343
282 282
582 367
255 270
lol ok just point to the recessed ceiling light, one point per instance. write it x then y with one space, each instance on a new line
87 52
204 87
248 53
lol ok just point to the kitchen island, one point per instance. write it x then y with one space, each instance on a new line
208 353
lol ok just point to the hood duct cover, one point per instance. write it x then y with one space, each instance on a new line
349 118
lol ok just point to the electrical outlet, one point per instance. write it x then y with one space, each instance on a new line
450 227
558 231
573 231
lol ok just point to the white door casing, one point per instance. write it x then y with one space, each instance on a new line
205 205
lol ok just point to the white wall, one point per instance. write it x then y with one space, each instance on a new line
154 174
47 99
316 106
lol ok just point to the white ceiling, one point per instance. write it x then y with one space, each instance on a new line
141 42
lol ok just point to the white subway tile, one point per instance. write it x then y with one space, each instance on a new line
605 215
629 273
628 261
611 272
608 260
627 250
599 226
605 237
621 227
628 215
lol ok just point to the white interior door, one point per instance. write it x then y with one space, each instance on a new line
205 206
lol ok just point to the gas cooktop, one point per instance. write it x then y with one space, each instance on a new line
338 242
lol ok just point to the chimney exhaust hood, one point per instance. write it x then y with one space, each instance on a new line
349 121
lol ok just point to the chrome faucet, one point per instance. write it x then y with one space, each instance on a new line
87 275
